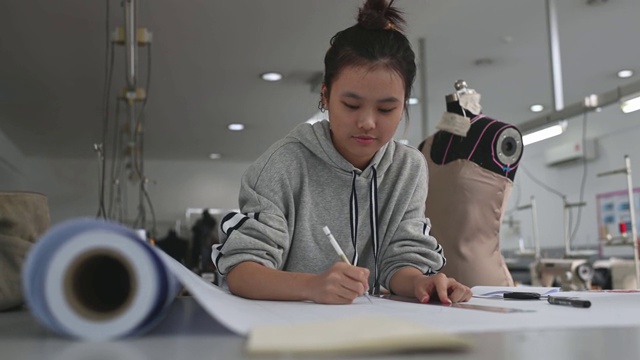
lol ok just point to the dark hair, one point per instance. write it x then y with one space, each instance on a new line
376 40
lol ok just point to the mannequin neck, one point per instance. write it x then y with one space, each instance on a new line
454 107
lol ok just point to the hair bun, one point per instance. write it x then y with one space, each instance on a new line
378 15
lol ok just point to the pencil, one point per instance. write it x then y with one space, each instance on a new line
340 253
335 245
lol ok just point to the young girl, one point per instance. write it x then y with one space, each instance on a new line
349 175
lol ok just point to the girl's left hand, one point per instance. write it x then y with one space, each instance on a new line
446 289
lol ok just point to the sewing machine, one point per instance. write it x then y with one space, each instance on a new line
571 274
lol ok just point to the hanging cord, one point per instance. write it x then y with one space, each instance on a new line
543 185
115 191
108 79
138 161
546 187
584 177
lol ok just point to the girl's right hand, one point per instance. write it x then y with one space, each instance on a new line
340 284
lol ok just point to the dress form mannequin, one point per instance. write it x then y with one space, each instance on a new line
492 144
472 161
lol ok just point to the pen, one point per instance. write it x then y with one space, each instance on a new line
339 251
567 301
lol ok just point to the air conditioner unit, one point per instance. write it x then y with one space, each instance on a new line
571 151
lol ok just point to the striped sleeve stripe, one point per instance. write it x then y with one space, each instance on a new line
426 229
439 249
430 272
233 221
217 253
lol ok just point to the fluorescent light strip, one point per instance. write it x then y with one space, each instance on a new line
630 105
543 134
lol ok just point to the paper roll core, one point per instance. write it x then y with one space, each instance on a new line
100 284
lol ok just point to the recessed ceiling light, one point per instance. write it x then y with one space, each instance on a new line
271 76
236 127
214 156
536 108
623 74
413 101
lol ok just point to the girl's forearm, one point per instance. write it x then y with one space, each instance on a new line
403 281
255 281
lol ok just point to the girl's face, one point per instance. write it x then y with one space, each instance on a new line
365 107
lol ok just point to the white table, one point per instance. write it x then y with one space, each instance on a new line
188 332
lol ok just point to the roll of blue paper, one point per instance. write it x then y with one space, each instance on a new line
96 280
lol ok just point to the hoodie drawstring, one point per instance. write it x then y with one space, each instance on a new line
373 218
353 217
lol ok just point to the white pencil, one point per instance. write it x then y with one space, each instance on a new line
339 251
335 245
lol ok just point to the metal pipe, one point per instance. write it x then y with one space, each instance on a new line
613 172
534 218
565 219
567 234
554 53
131 118
422 48
632 213
579 108
130 43
132 66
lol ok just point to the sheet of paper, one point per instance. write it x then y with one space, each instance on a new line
365 334
241 315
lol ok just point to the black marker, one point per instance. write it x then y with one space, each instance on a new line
522 295
555 300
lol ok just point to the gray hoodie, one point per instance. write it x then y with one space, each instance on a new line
302 184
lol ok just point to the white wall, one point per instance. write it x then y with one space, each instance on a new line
13 166
72 184
616 135
72 187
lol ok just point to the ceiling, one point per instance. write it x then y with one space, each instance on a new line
206 58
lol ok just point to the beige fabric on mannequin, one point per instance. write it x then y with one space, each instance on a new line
24 216
465 205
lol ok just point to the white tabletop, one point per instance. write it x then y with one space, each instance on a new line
188 332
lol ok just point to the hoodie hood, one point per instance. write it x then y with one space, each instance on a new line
317 138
